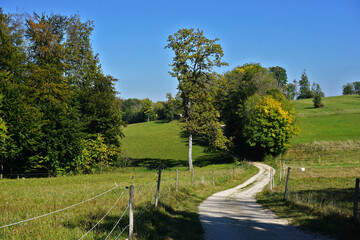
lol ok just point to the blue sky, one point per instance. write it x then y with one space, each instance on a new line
321 36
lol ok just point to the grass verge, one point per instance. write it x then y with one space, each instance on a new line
320 198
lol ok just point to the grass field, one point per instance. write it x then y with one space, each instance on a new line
336 121
328 148
176 217
151 143
148 146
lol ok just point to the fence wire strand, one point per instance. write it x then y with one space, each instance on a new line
117 222
103 216
47 214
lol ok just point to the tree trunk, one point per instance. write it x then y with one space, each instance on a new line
190 152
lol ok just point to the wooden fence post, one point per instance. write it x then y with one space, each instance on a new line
227 175
177 180
2 170
158 189
270 182
287 181
356 199
131 212
213 180
192 177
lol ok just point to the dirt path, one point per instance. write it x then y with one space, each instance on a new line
234 214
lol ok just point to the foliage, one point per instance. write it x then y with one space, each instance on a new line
94 154
291 90
279 74
54 92
357 87
270 126
348 89
304 83
195 57
238 95
316 90
317 101
172 109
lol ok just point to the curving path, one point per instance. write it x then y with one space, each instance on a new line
235 214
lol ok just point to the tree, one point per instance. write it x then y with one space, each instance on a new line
305 91
172 107
316 90
357 87
270 126
279 74
241 89
147 109
348 89
291 90
195 57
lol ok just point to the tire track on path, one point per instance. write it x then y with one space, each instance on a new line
234 214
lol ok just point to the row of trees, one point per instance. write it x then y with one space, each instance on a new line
248 102
302 89
59 112
135 110
351 88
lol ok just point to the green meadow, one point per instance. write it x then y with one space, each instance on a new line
324 162
336 121
160 142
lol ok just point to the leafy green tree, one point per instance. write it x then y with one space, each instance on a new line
348 89
279 74
159 109
235 91
270 127
172 107
195 57
130 109
147 109
304 83
356 87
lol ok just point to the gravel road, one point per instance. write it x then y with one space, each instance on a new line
234 214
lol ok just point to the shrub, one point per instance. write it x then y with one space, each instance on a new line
317 102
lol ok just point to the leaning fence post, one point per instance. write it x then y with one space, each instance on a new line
158 189
131 212
177 180
356 199
287 181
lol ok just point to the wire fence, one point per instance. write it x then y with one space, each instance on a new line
147 189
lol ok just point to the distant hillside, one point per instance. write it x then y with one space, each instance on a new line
161 142
338 120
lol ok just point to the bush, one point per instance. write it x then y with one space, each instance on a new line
317 102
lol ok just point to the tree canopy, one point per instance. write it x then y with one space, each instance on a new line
56 99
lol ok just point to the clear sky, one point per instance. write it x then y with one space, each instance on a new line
321 36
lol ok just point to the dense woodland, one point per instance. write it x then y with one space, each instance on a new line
59 111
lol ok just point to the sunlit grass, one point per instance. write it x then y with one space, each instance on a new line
27 198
